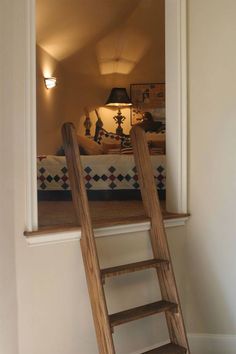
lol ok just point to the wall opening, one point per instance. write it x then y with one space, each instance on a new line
86 72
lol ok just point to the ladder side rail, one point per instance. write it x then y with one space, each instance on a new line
88 246
159 241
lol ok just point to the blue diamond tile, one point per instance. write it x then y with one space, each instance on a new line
160 169
64 170
104 177
96 178
120 177
88 185
65 186
88 169
42 170
49 178
136 185
43 186
128 177
111 169
57 178
112 185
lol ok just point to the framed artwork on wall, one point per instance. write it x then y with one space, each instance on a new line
147 98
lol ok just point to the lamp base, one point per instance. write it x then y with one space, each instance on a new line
119 130
119 119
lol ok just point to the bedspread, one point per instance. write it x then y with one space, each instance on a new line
101 172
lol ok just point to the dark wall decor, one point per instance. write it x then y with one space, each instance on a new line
147 98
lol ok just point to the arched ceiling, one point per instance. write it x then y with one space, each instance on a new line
66 26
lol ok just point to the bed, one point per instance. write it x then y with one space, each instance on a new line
106 177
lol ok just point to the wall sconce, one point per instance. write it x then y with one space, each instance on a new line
119 98
50 82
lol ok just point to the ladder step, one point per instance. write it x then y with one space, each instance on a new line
168 349
140 312
132 267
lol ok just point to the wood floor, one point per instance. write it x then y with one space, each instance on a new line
62 213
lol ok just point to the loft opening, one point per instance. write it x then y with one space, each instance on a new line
86 74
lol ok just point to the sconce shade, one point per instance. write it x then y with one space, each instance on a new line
118 97
50 82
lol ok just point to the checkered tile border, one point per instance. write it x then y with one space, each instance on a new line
111 179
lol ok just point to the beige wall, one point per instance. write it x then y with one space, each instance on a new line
44 289
8 83
90 73
50 105
211 241
55 314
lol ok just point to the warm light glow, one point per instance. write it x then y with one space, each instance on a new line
83 27
50 82
119 104
121 50
121 66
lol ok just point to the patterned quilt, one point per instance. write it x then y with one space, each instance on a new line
101 172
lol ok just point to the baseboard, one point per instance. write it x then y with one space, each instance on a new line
205 344
212 343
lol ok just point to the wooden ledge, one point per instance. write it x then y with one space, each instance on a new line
170 220
168 216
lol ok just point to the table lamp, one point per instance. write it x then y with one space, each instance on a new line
119 98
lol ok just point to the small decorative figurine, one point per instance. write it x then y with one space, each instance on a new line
87 122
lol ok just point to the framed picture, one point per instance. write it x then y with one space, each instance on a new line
147 98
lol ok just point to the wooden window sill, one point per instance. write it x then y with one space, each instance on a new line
67 233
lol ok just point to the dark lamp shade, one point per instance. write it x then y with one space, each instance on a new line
118 97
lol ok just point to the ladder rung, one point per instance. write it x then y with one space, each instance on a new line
132 267
141 311
168 349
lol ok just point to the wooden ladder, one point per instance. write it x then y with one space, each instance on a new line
170 304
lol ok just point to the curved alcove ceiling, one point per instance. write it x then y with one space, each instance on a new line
64 27
116 33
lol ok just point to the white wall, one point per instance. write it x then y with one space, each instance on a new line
54 314
45 292
48 285
54 308
8 309
211 242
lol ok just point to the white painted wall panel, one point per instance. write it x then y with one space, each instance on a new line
212 167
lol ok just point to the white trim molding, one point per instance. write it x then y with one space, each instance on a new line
121 229
75 235
53 238
176 105
31 222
